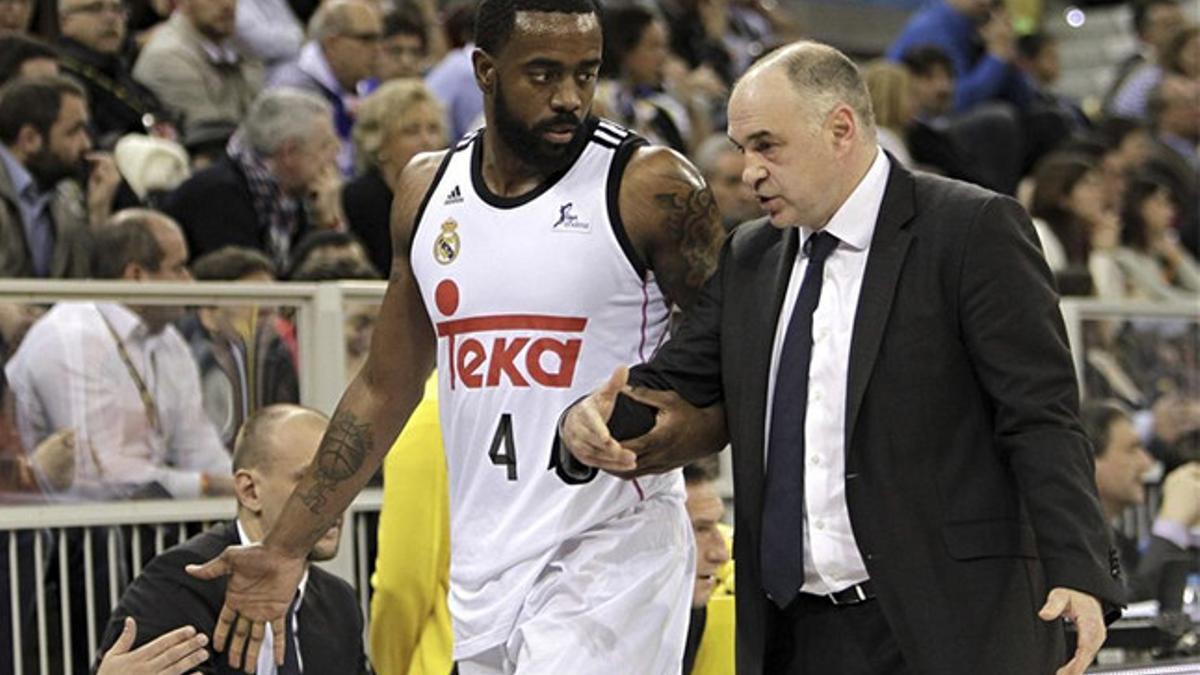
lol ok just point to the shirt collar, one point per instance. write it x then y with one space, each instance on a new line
22 180
854 222
312 61
244 539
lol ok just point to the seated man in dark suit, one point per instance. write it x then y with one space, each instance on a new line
1121 461
324 630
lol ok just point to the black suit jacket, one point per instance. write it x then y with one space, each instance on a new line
968 479
215 209
164 597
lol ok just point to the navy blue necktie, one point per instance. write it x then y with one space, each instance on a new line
291 658
783 505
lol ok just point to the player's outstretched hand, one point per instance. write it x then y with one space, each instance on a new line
585 432
174 653
262 583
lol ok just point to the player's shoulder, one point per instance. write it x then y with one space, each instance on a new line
654 167
411 188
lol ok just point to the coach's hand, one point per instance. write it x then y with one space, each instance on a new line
682 433
1084 611
262 583
584 430
173 653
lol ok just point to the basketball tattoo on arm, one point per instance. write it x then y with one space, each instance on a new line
342 453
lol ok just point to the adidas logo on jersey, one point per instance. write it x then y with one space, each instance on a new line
522 350
455 197
569 222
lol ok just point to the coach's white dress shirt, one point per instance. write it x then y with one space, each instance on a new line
832 561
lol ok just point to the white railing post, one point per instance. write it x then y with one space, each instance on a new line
322 349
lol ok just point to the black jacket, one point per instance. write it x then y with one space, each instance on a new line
969 482
118 104
367 203
165 597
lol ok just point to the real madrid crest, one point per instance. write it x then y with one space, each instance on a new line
447 244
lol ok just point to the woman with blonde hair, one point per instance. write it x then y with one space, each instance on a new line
890 87
396 122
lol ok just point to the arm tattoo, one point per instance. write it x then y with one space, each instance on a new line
345 446
692 220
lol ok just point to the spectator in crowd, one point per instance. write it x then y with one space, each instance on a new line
404 48
243 364
932 74
360 318
1037 57
15 15
122 377
25 56
452 80
397 121
1174 109
330 249
324 626
91 45
342 52
698 35
709 647
1121 464
1076 228
958 27
205 142
269 31
634 66
1127 147
276 181
1154 22
721 163
1153 264
193 65
45 215
1180 56
891 89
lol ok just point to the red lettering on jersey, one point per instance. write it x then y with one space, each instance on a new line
504 355
567 352
468 355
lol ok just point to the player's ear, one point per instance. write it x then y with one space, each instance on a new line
485 70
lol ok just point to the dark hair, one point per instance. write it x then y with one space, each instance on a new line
495 19
1142 186
459 23
405 22
922 59
336 270
624 27
1097 418
1031 46
704 470
231 263
1113 131
34 101
1085 145
1141 12
1054 178
16 49
127 238
318 239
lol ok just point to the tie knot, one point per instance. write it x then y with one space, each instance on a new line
819 246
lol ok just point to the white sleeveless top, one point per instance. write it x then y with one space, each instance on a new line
535 300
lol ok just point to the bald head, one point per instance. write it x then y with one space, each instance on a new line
821 76
259 442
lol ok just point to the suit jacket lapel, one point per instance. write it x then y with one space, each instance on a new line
889 246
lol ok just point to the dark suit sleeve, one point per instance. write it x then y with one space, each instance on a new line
1014 333
690 362
163 598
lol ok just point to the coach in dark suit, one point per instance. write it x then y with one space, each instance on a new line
325 631
914 493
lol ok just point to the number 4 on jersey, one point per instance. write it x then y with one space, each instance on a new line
504 451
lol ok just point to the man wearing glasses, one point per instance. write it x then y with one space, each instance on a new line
342 52
92 47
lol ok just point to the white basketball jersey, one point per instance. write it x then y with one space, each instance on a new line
535 301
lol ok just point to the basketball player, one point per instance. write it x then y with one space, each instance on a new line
531 260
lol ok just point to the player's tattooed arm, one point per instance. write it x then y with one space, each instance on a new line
673 220
341 455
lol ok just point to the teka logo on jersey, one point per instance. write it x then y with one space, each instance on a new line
535 352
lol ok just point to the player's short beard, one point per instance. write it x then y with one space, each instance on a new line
532 147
